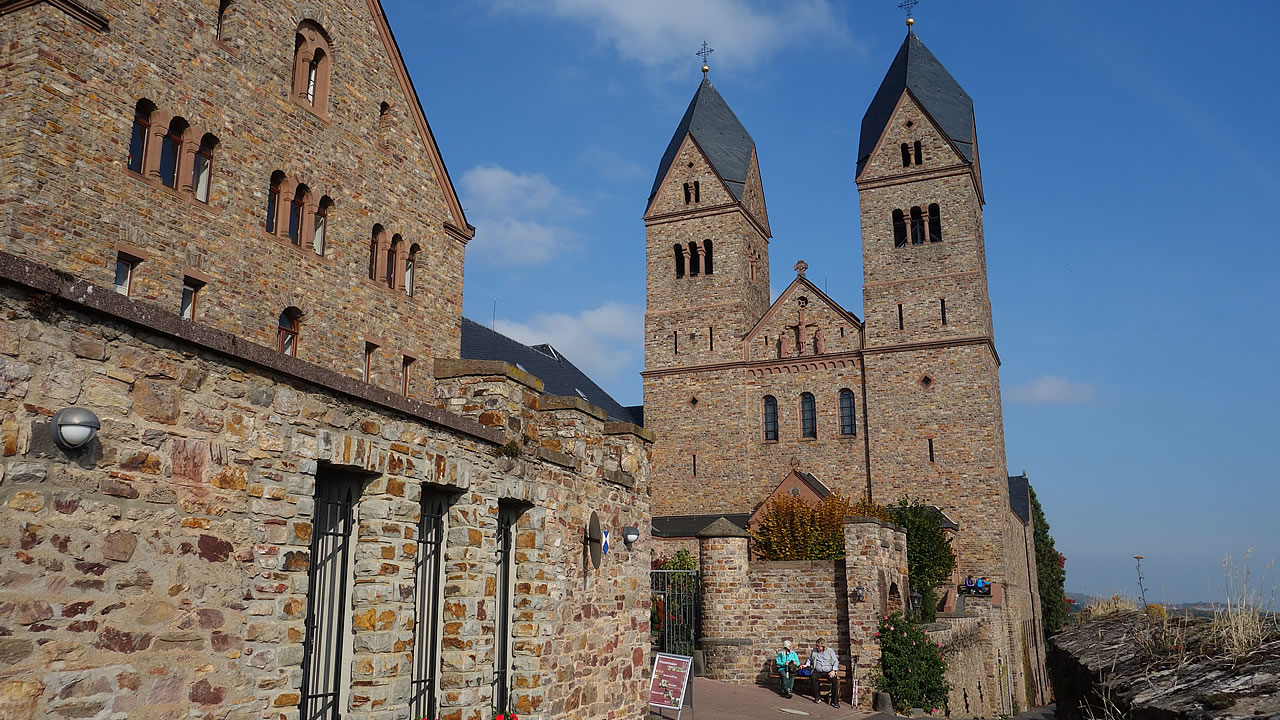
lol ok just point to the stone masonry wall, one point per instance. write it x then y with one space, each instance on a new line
67 114
163 571
799 601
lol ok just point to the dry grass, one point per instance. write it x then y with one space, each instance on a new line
1243 622
1115 603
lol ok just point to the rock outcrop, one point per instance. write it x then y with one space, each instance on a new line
1126 665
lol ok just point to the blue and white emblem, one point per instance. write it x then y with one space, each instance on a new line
604 547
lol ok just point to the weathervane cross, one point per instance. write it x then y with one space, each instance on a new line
908 5
705 53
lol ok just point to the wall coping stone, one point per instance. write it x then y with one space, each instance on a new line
857 519
67 287
618 477
712 642
564 402
558 458
797 564
462 367
626 428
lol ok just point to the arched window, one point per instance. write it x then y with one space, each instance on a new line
693 259
297 211
224 10
311 66
171 151
707 263
935 223
287 333
847 424
384 124
393 252
679 251
138 139
899 229
808 416
770 417
697 191
906 155
688 194
202 169
410 267
917 226
919 154
376 239
320 224
273 202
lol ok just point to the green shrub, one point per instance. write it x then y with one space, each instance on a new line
930 559
912 668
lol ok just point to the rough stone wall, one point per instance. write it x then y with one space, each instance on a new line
876 558
800 601
726 598
164 570
68 113
965 642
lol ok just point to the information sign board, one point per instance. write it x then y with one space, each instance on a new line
669 680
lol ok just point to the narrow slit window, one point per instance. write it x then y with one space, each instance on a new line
935 223
679 253
919 154
688 194
693 259
223 7
899 229
695 465
124 273
508 517
847 424
375 243
808 416
320 225
770 418
942 305
899 316
675 342
711 338
141 131
410 269
706 257
190 296
930 449
273 202
697 191
917 226
370 350
406 374
906 156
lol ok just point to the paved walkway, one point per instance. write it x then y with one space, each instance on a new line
714 700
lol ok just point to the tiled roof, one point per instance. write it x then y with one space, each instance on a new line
559 376
1020 496
682 526
723 139
918 70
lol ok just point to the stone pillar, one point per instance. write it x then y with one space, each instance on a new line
875 556
726 602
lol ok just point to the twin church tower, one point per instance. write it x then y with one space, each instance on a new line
741 391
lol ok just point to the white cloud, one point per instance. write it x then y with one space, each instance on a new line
609 164
1052 390
601 341
515 215
662 32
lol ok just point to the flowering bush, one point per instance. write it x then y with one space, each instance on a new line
912 667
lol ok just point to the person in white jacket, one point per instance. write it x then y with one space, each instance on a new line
825 665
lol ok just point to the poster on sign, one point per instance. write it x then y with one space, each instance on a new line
669 680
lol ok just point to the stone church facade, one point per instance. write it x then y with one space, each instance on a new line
301 502
741 392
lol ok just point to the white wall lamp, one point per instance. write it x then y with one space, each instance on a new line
74 427
859 594
630 535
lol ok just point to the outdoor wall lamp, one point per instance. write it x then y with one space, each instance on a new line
916 599
859 594
630 535
74 427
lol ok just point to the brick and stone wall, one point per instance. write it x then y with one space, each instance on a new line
164 569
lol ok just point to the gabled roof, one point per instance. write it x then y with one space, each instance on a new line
800 279
719 134
917 70
682 526
558 375
814 484
1020 497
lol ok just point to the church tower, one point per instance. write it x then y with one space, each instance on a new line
707 240
932 373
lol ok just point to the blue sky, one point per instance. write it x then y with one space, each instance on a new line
1131 175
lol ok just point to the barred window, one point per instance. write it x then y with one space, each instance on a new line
429 589
848 426
508 515
770 417
808 416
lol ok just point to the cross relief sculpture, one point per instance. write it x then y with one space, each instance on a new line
799 335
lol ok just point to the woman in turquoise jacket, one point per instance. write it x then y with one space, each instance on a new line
787 662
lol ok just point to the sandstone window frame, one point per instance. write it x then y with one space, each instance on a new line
320 225
407 362
271 222
678 251
295 228
169 153
394 259
694 256
848 416
128 258
410 269
140 135
191 289
312 67
770 426
202 168
917 226
370 351
808 416
288 331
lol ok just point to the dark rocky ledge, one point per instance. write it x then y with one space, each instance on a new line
1125 665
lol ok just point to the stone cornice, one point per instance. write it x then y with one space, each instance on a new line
78 292
941 276
721 209
75 9
936 345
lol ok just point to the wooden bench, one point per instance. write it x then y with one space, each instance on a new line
841 670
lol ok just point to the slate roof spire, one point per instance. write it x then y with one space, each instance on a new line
919 72
723 139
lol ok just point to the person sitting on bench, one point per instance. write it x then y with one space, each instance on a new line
787 662
826 666
982 586
969 585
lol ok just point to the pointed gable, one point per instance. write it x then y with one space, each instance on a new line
724 141
916 70
842 329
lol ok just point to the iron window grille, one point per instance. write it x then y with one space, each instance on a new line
429 571
507 516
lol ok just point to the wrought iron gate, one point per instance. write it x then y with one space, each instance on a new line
674 618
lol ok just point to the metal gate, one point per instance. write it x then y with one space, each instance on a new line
674 618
